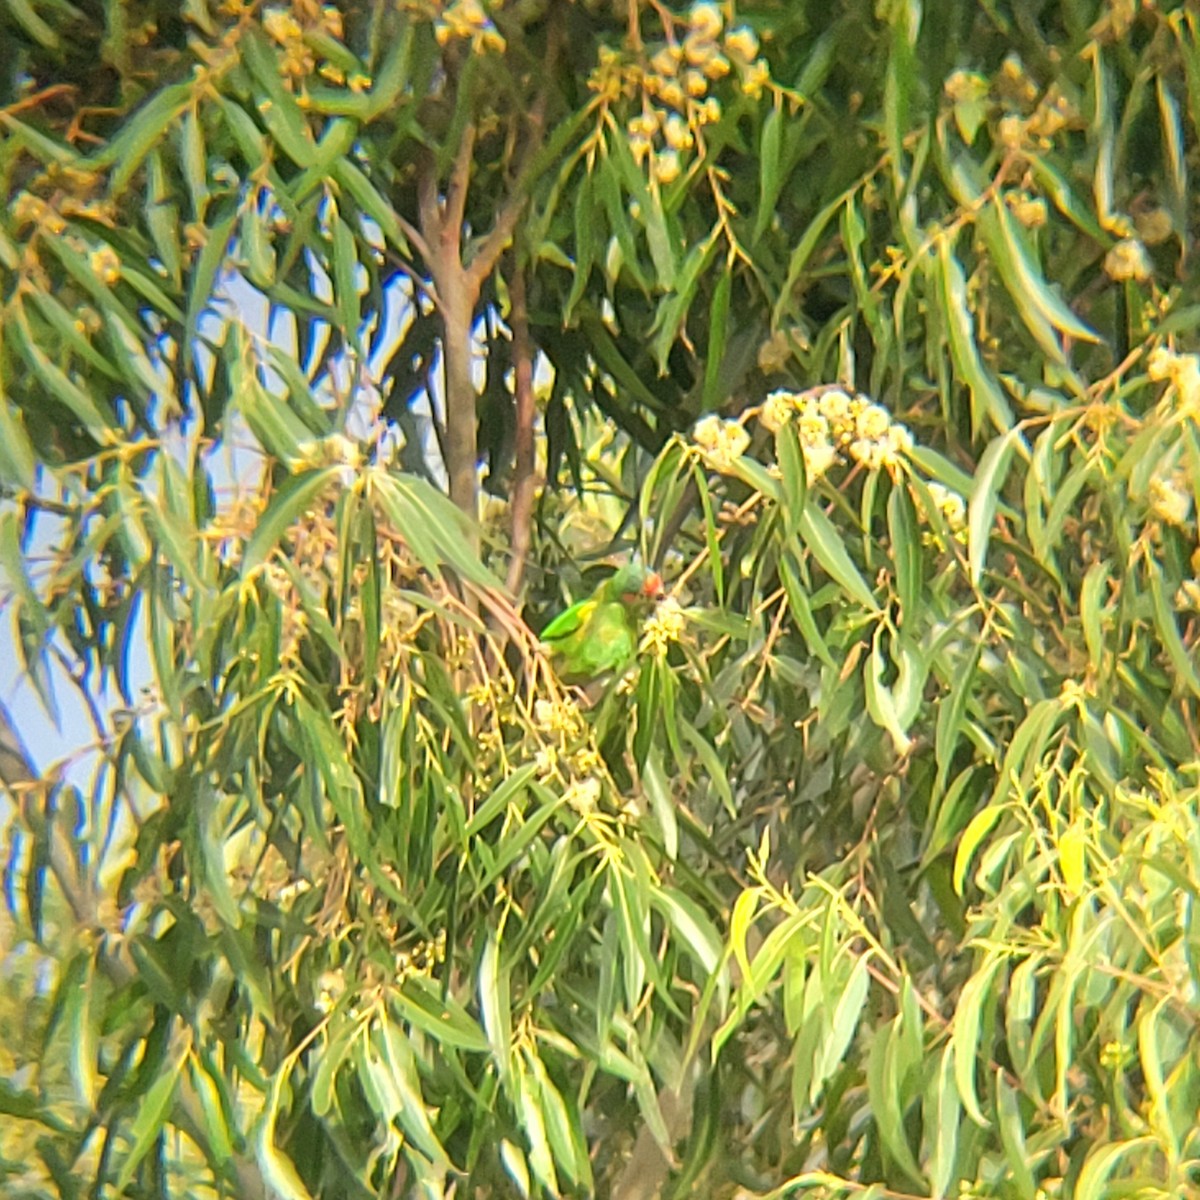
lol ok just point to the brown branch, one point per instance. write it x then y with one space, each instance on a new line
430 215
524 465
414 235
455 207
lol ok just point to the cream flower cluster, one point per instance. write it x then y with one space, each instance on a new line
1180 370
467 20
721 442
664 626
675 86
832 424
287 27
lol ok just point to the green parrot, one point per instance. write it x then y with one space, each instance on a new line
600 634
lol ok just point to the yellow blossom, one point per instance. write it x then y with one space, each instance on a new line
868 452
741 44
666 166
837 408
694 83
715 66
667 60
1011 132
899 442
1188 595
1161 363
755 78
586 761
330 986
671 93
722 442
951 505
777 410
282 26
1170 501
812 427
584 795
677 134
663 627
705 19
709 112
1187 382
1154 225
964 87
819 458
640 147
557 717
331 20
1030 211
1127 260
872 422
105 264
645 124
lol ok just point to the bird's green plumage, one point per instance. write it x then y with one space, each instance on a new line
600 634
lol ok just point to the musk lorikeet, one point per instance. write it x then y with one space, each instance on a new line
600 634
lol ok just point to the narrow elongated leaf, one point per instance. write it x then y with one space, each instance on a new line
986 397
985 498
829 550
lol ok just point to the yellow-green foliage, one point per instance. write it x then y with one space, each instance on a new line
871 325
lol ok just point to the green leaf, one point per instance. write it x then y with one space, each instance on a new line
953 709
1025 282
414 1119
986 397
345 285
793 479
278 108
140 133
718 319
843 1022
279 1173
829 550
662 804
152 1114
770 175
443 1018
673 308
585 244
534 1127
1164 619
495 1004
906 553
967 1032
204 274
881 703
287 506
1012 1136
64 389
985 498
215 1125
18 466
371 203
980 826
943 1113
713 767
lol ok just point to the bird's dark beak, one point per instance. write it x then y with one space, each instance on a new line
653 589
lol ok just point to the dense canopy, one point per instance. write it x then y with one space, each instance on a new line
343 346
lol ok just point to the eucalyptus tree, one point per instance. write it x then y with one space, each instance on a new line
871 327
